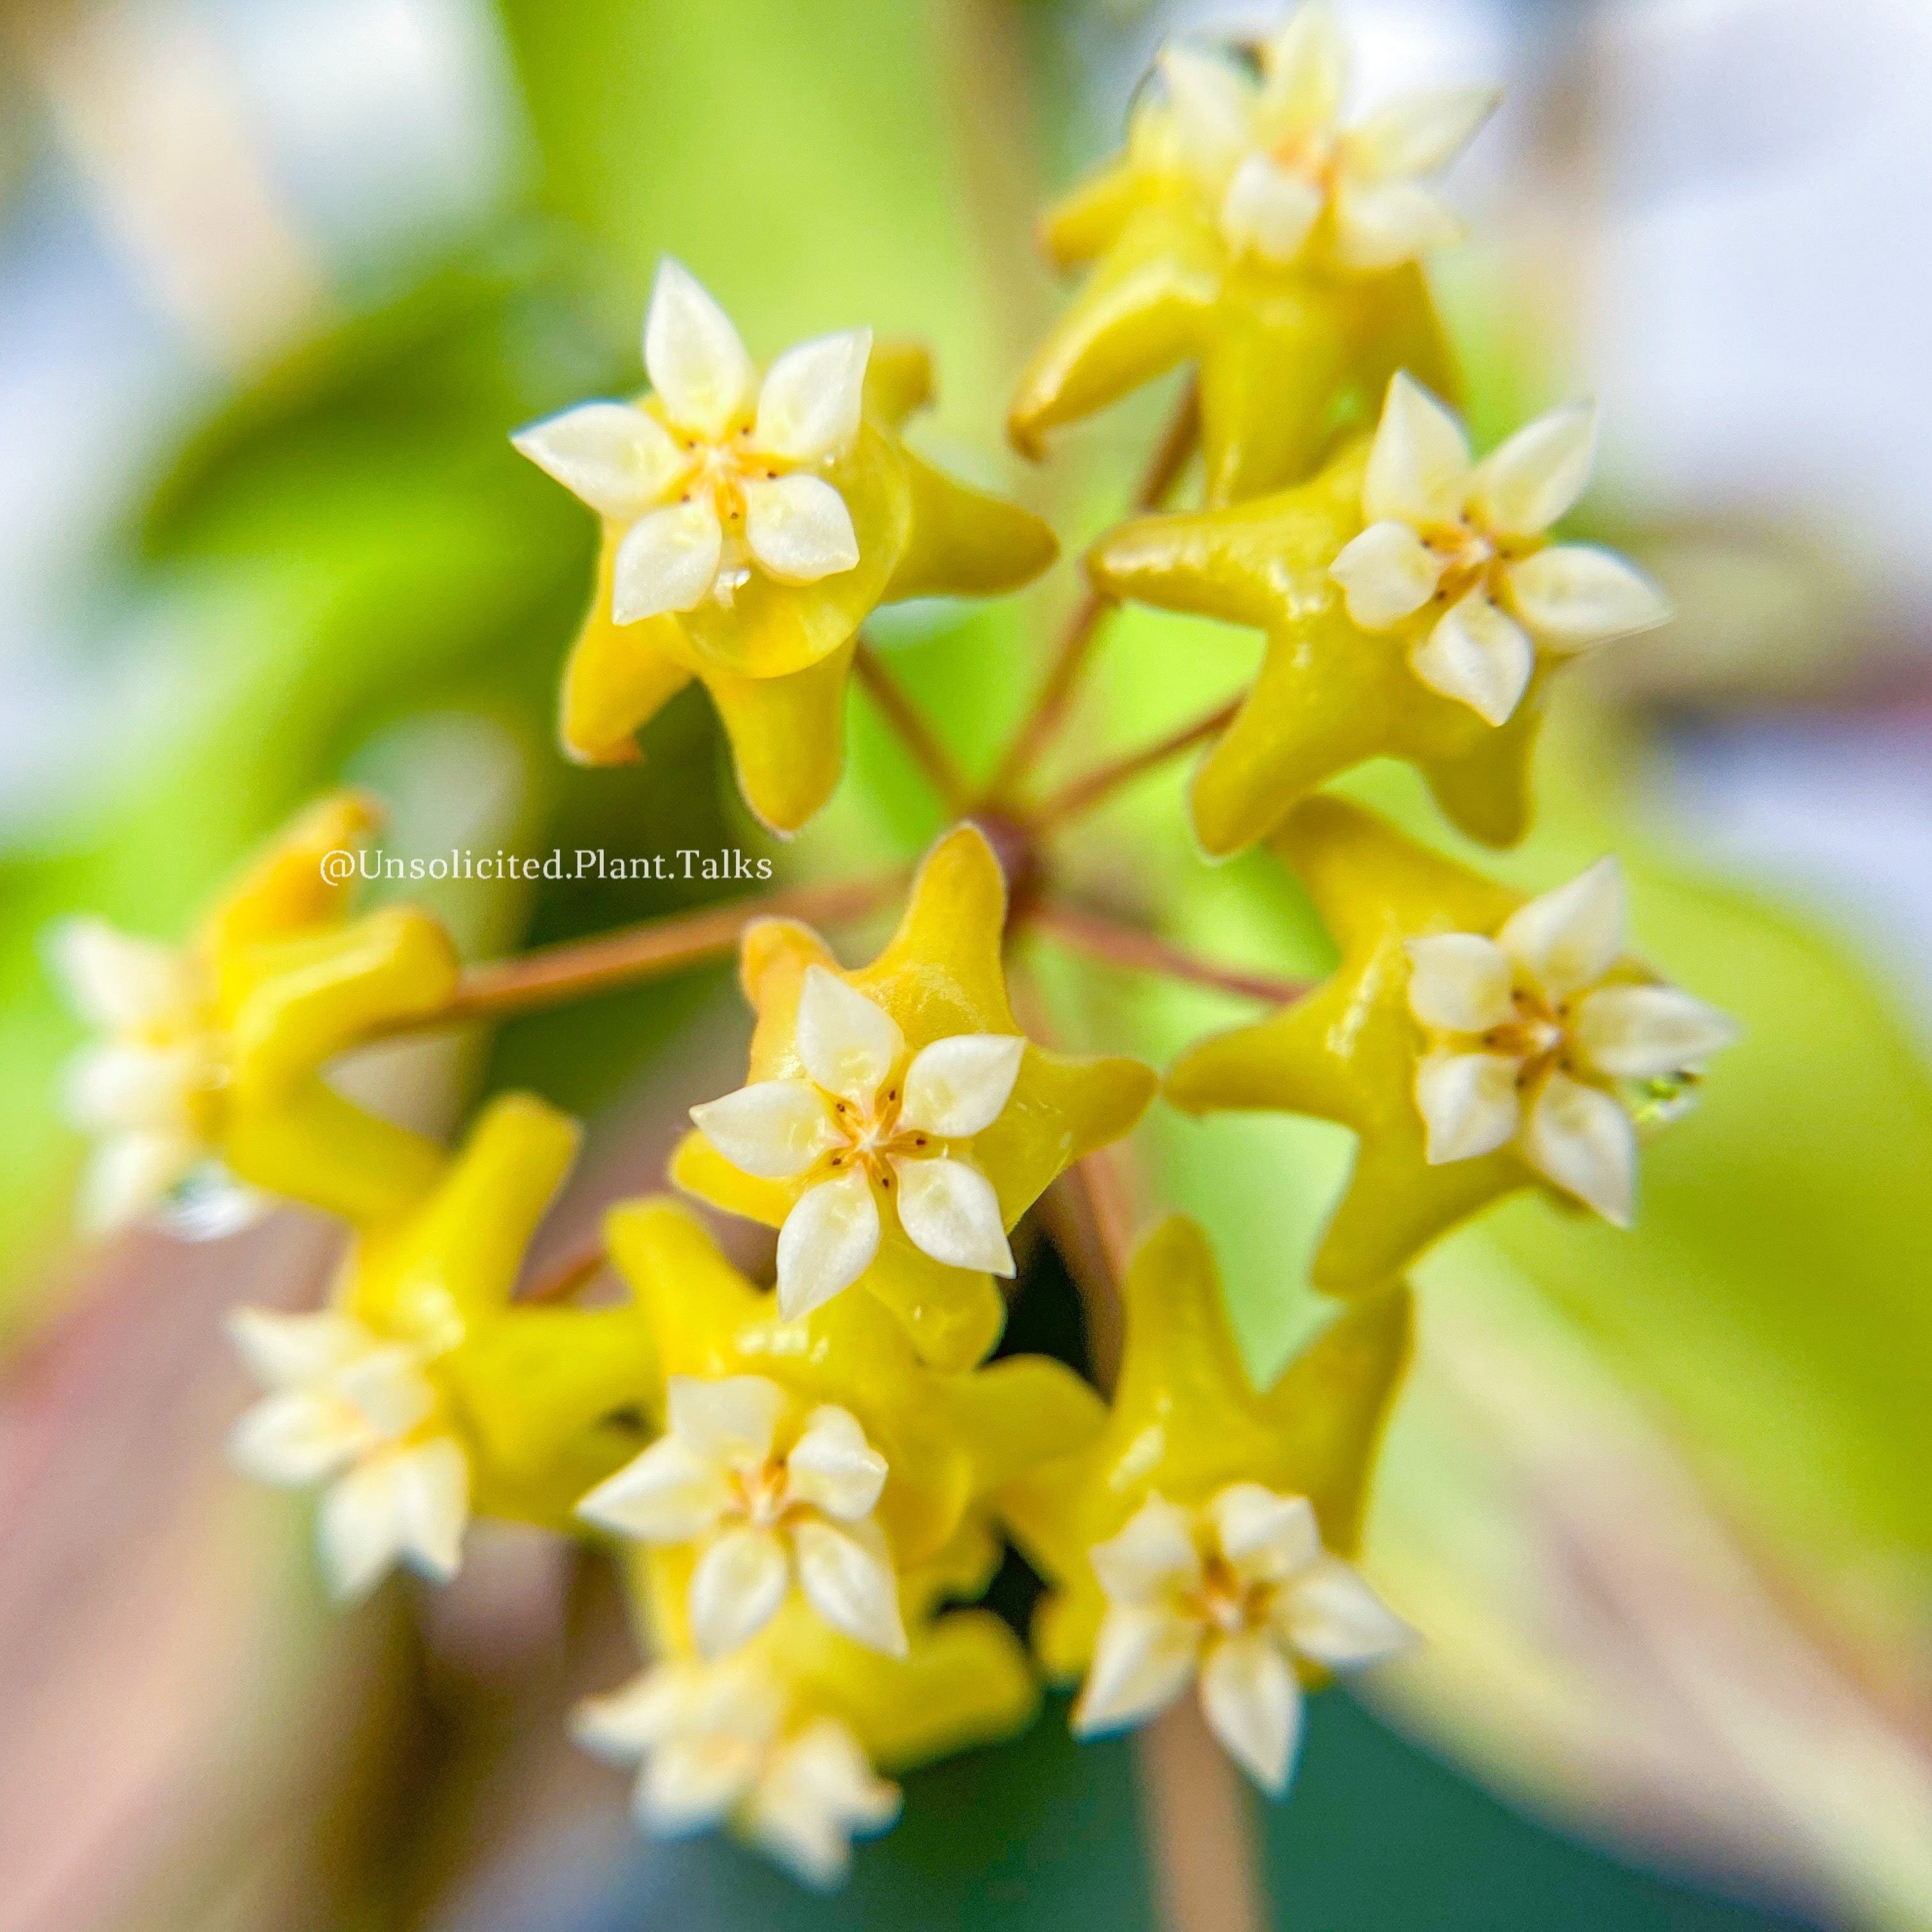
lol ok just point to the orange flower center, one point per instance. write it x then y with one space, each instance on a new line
1311 155
723 469
1534 1037
763 1494
873 1137
1223 1601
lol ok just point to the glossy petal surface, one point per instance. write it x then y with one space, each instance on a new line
1354 1051
941 978
1185 1423
749 528
880 1428
1245 231
1330 693
217 1051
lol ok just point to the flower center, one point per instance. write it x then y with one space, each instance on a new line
351 1420
1466 555
873 1136
721 470
1222 1601
1311 155
763 1493
1534 1037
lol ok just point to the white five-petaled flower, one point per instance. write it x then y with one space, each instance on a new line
1232 1594
722 1742
716 471
1469 538
147 1089
348 1409
863 1118
760 1515
1273 155
1528 1044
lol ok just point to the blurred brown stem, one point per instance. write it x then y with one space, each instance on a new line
552 975
563 1279
910 726
1048 713
1126 946
1083 794
1200 1827
1088 1216
1199 1822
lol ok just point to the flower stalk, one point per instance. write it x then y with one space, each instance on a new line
1104 939
908 724
1081 794
1076 641
553 976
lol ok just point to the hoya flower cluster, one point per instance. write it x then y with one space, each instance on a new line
801 1480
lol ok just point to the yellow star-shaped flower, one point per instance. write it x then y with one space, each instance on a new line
771 1715
751 523
1186 1422
1245 230
781 1742
424 1394
1475 1043
210 1071
931 1447
896 1124
1413 606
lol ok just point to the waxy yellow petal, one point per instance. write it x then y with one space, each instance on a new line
1353 1051
216 1053
940 976
292 1006
616 680
1186 1422
964 1680
1140 312
1087 220
899 379
460 1254
946 1439
529 1402
1276 343
769 627
1330 695
964 543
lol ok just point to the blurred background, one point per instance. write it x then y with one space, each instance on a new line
276 278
